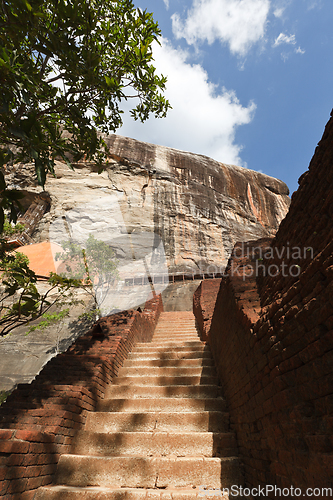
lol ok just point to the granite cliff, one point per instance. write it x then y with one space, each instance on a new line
197 206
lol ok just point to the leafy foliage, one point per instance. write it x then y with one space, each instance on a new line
49 319
28 304
65 67
92 268
3 396
20 300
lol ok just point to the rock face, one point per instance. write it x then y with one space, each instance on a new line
197 206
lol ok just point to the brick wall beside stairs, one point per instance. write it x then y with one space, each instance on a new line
204 299
38 420
272 340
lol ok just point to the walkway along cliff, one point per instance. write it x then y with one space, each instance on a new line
272 339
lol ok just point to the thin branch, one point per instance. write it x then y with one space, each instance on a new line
55 78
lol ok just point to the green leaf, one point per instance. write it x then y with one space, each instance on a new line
109 81
40 172
2 182
2 219
17 132
28 6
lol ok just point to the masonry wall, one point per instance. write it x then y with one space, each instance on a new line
272 338
39 420
204 299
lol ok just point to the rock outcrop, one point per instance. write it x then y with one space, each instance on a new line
197 206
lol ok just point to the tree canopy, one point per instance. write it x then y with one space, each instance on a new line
65 68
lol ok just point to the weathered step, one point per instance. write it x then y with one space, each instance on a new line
181 329
104 493
147 472
170 354
185 444
172 391
170 344
175 338
162 404
178 363
169 318
149 348
169 371
184 328
177 315
161 380
200 421
185 323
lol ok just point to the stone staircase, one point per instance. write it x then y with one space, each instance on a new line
161 431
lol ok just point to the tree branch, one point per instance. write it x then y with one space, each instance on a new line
55 78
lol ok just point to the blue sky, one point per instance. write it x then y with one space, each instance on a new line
250 81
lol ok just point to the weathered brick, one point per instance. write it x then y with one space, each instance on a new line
4 487
34 482
14 447
6 434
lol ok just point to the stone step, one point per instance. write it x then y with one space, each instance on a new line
170 355
170 344
169 371
174 341
165 380
161 404
175 338
191 322
184 444
188 324
104 493
162 431
179 332
147 472
172 391
184 326
177 325
150 348
176 363
176 316
176 330
169 319
198 421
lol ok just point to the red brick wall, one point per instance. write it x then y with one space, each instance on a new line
38 420
204 299
272 339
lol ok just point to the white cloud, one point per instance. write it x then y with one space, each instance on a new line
239 23
203 119
299 51
313 4
166 2
279 12
280 7
282 38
